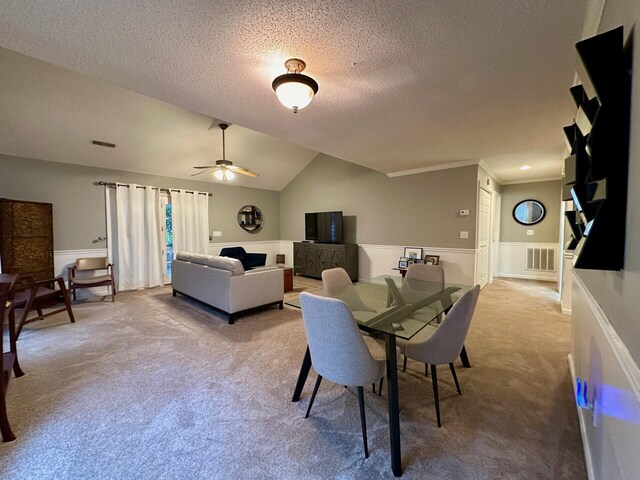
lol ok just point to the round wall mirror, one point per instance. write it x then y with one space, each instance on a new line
529 212
250 218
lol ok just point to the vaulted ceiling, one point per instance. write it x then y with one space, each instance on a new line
404 85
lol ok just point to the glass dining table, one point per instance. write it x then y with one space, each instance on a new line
391 307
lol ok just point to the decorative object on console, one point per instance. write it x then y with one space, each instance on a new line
224 169
596 172
529 212
250 218
248 260
432 259
403 263
280 258
412 253
295 90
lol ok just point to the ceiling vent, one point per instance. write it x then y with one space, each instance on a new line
103 144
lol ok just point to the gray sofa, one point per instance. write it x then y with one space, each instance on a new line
222 283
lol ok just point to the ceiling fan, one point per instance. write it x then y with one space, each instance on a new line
224 169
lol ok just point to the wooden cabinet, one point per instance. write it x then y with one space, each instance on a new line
26 238
310 259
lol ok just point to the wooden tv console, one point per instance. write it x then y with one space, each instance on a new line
310 259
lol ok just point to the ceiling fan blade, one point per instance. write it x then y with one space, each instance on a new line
203 171
242 171
206 166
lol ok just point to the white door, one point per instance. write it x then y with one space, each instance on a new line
496 206
484 236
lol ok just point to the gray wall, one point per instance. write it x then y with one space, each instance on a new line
410 210
79 205
548 230
618 293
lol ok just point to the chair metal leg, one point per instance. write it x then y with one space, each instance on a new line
404 364
363 421
434 379
465 358
380 388
455 378
313 395
426 369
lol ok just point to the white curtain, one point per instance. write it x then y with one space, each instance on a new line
190 217
139 237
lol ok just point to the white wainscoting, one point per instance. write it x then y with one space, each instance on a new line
512 261
567 273
611 430
375 260
66 258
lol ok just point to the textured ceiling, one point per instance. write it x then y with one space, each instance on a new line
404 85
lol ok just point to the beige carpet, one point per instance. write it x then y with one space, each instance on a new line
156 387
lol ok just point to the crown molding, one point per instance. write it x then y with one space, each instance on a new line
433 168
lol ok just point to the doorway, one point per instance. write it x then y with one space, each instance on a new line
485 235
166 222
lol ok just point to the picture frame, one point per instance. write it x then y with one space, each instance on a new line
403 263
412 253
419 261
432 259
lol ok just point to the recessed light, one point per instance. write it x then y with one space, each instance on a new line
525 167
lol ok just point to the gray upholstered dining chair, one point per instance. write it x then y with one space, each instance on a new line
337 284
426 273
423 273
442 345
338 351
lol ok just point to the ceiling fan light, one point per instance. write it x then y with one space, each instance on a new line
229 174
294 90
219 174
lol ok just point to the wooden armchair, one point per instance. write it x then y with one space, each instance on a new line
8 358
32 295
91 265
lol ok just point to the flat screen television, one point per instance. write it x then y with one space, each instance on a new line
323 227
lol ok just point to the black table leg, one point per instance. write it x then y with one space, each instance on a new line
302 376
394 413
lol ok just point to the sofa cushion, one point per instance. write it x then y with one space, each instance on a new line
232 265
225 263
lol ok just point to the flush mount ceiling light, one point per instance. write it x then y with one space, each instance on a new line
294 90
525 167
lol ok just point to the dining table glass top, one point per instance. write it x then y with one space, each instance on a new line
396 306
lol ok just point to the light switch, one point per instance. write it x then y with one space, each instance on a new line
217 233
530 233
464 234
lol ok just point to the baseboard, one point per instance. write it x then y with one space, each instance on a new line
566 311
526 277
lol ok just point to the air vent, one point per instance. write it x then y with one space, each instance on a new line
541 259
103 144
